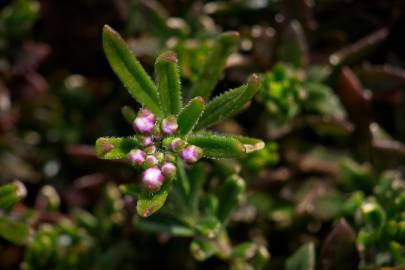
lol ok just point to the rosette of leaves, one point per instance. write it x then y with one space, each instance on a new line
287 92
168 129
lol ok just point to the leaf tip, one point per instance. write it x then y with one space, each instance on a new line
254 79
168 56
200 100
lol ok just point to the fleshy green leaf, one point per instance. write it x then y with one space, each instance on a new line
129 70
214 65
150 202
302 259
229 196
13 231
228 103
168 82
129 114
115 148
172 228
190 114
217 146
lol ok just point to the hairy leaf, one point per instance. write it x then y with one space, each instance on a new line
129 70
250 144
150 202
217 146
228 103
115 148
214 65
189 115
168 82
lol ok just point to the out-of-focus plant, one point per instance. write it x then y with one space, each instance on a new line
12 227
166 129
287 92
82 241
16 21
378 217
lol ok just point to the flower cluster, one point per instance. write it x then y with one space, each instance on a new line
159 149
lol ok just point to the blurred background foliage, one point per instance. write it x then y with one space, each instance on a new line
327 191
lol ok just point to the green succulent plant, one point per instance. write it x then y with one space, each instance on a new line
168 129
288 92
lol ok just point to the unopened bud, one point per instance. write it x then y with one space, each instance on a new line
152 178
136 156
169 125
146 140
191 154
151 161
144 122
169 170
177 145
150 149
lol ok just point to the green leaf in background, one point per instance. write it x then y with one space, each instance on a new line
214 65
13 231
168 82
197 179
229 196
202 249
293 48
130 71
182 179
115 148
11 194
217 146
339 248
228 103
129 114
302 259
149 202
171 228
189 115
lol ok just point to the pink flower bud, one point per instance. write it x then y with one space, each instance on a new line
177 145
136 156
152 178
191 153
169 125
146 140
169 170
151 161
150 149
144 122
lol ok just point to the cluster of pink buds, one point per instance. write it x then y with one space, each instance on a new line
159 149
